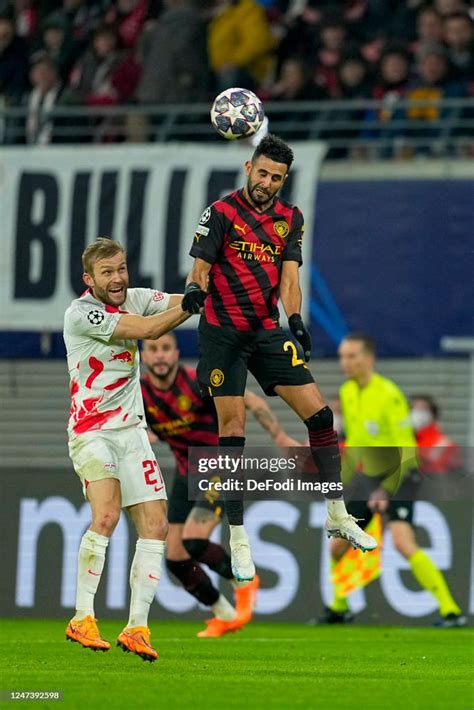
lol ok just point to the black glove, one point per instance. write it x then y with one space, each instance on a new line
301 334
193 299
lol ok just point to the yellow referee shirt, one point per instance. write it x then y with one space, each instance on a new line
377 415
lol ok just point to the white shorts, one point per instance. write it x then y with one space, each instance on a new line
124 454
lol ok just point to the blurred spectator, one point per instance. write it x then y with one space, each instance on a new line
437 453
44 95
128 18
13 63
354 82
390 87
294 83
448 7
429 28
56 42
394 72
240 44
432 84
26 18
82 18
353 76
332 44
174 57
105 75
459 38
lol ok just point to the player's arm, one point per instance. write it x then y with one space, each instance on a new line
149 327
208 241
268 420
175 300
290 291
290 296
199 273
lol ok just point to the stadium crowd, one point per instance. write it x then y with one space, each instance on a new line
158 52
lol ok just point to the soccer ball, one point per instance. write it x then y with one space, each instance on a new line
237 113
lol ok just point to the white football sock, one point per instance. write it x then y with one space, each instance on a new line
238 534
224 609
90 564
144 577
336 508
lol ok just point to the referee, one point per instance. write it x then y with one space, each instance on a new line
380 437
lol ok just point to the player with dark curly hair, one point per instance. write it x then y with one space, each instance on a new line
247 250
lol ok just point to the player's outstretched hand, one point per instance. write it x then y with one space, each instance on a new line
193 299
301 334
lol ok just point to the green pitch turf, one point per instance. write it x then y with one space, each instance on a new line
264 666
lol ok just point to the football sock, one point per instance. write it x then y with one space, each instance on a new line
224 609
336 508
238 534
325 449
144 578
429 576
233 501
210 554
194 580
339 603
91 561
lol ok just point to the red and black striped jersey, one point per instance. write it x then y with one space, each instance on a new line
180 415
246 249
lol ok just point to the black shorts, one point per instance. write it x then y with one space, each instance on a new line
179 506
398 511
226 355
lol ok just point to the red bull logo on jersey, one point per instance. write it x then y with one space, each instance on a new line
125 356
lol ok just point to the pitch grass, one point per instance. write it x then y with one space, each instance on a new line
267 665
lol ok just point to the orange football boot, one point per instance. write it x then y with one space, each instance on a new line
136 639
218 627
86 632
245 598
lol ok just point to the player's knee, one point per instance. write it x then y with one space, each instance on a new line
154 528
322 419
105 522
195 547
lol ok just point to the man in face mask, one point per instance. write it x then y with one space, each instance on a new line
437 452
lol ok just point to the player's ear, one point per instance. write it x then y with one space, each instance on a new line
248 167
88 280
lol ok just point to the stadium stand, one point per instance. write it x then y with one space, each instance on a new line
344 45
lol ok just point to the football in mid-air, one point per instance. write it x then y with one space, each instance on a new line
237 113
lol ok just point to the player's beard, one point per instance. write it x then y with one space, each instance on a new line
260 199
103 295
165 371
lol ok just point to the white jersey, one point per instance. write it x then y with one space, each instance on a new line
104 372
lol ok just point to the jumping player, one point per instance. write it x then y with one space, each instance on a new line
247 251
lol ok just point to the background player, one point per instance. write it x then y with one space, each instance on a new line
247 251
108 444
376 414
178 413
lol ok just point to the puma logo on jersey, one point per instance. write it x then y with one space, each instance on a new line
238 228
